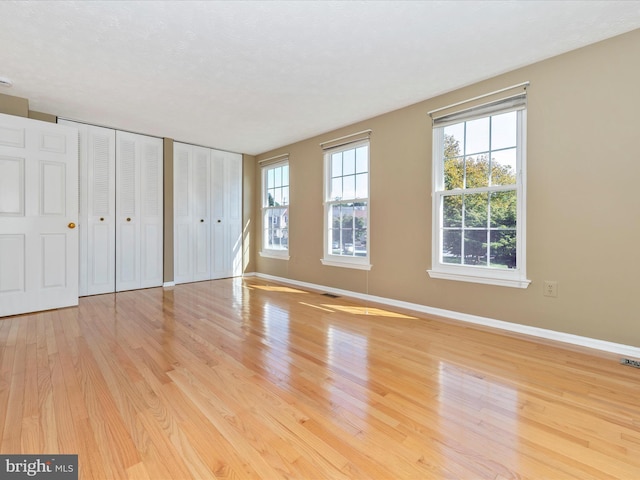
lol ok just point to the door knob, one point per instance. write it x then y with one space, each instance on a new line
201 220
102 219
219 221
128 219
71 225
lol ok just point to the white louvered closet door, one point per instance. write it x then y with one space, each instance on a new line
201 214
207 213
139 211
226 213
96 223
182 212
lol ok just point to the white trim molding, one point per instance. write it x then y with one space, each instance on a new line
168 284
569 338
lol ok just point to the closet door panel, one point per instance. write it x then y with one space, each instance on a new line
201 214
227 214
128 210
182 212
96 194
101 224
151 220
218 209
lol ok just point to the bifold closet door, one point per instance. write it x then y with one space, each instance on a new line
138 211
192 213
97 227
226 214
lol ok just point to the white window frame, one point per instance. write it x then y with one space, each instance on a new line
329 258
283 253
515 277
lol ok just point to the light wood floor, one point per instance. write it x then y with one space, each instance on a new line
244 379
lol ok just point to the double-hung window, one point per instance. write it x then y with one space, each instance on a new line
479 194
275 210
346 206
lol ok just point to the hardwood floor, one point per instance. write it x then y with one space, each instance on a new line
249 379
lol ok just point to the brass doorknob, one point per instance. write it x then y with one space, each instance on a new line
128 219
102 219
71 225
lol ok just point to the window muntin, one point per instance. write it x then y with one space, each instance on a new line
275 210
478 230
347 205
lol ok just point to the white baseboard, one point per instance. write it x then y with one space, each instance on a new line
611 347
168 284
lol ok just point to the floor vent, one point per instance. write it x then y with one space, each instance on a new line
331 295
631 363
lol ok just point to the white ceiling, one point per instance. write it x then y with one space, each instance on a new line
253 76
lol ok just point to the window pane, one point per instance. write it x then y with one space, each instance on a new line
475 247
503 167
349 187
277 197
477 171
285 196
476 208
277 175
336 188
362 185
270 183
335 241
276 228
503 209
503 249
362 159
360 224
349 229
477 136
270 198
503 130
336 164
285 174
452 211
454 140
451 246
349 162
453 173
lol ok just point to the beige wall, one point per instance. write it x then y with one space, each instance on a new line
14 105
168 210
583 226
248 212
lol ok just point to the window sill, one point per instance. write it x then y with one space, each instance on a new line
276 255
481 277
330 262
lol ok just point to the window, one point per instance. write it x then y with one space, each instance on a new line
479 194
346 205
275 210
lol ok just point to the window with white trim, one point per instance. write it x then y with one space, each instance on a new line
275 210
346 206
479 194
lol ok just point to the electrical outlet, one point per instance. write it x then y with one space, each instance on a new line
550 288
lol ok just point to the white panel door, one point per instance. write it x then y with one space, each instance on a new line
97 208
138 211
38 215
226 214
